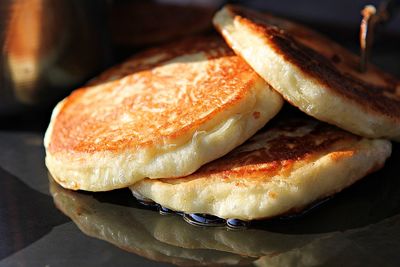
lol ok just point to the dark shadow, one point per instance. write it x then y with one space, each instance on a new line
26 215
120 197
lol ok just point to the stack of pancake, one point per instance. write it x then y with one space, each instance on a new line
186 124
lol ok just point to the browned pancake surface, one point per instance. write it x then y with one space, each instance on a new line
284 167
267 155
110 114
326 62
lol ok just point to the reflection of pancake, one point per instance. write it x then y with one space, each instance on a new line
126 227
375 245
281 169
163 113
314 73
173 230
168 238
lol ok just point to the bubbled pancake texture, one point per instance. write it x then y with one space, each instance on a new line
162 113
280 169
314 73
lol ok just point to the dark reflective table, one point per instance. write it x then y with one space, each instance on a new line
358 227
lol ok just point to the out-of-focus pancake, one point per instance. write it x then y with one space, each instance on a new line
162 113
279 170
314 73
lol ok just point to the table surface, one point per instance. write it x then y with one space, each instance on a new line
359 227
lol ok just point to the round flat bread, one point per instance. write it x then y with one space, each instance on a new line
162 113
314 73
281 169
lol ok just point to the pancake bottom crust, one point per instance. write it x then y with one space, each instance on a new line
163 113
314 73
280 169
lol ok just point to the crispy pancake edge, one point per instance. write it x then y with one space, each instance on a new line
311 81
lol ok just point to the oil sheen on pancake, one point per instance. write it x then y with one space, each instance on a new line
162 113
282 169
314 73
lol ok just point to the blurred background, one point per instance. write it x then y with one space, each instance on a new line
50 47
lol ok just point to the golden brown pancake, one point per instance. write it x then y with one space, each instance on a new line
314 73
162 113
281 169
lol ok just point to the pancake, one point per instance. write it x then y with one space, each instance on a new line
314 73
162 113
282 169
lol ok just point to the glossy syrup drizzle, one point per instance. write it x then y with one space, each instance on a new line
197 219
